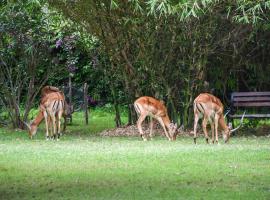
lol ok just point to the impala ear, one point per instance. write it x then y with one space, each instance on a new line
173 125
230 125
162 102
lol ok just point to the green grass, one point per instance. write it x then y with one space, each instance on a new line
83 165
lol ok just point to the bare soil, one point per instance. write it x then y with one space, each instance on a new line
132 130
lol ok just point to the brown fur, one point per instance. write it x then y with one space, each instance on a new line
48 89
48 94
148 106
212 109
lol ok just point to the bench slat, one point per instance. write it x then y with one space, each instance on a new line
251 116
246 94
251 99
251 104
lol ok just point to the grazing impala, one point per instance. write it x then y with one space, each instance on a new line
52 107
148 106
210 108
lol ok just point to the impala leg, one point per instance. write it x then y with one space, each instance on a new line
65 124
216 127
151 127
54 125
51 127
196 119
139 125
59 124
46 124
164 128
213 131
204 124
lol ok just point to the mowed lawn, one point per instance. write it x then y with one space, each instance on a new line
83 165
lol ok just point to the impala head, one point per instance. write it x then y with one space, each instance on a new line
68 109
32 129
172 130
179 130
227 133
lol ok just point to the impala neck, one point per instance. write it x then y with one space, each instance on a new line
38 119
222 123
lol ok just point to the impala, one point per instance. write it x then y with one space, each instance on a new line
148 106
210 108
52 107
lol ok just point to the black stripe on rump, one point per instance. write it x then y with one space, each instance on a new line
53 105
199 107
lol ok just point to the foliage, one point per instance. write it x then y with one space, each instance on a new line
171 50
37 47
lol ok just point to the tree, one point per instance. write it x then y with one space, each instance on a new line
26 62
168 49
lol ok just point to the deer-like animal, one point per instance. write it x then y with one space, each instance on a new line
148 106
52 102
210 108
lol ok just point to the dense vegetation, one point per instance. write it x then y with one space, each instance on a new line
171 50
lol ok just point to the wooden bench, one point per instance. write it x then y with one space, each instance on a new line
250 100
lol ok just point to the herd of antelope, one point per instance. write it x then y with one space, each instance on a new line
206 106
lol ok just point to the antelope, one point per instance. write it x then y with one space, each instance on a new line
148 106
52 108
210 108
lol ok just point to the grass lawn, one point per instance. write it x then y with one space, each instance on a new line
83 165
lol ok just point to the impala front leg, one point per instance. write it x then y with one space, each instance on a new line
216 127
164 128
46 124
213 131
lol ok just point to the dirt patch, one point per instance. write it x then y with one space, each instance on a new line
132 130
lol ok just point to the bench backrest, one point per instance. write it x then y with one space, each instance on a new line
250 99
